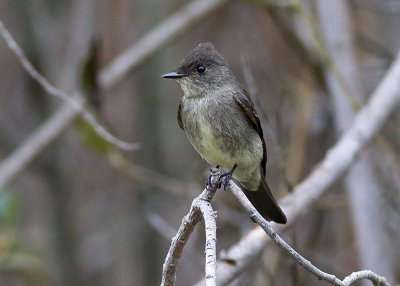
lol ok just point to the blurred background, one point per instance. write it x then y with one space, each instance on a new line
84 213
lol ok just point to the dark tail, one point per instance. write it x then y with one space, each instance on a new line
265 204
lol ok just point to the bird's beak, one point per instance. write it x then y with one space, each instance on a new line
174 75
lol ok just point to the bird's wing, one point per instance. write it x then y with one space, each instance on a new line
180 116
245 103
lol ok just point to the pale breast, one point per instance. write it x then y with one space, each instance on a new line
211 147
221 135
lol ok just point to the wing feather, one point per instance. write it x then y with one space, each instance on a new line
245 103
179 116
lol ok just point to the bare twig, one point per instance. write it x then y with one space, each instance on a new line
325 58
178 243
323 61
160 225
148 176
32 146
69 99
200 207
364 274
378 280
167 30
366 123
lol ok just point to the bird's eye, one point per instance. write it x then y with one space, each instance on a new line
201 69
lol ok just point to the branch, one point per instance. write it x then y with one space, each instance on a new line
365 125
147 176
211 240
35 143
201 207
364 274
363 195
151 42
71 100
377 280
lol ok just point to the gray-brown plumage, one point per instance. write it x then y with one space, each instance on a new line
221 123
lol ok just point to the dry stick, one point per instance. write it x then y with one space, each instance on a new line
67 98
210 222
376 279
365 125
200 207
32 146
109 76
147 176
167 30
178 243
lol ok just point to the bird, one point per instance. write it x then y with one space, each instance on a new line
221 123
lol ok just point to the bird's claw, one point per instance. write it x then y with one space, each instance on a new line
209 183
226 177
214 172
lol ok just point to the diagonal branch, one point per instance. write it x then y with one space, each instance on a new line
178 243
169 29
71 100
36 142
332 279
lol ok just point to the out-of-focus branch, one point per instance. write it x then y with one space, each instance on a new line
363 195
201 207
67 98
160 225
146 175
332 279
54 126
365 125
35 143
319 60
167 30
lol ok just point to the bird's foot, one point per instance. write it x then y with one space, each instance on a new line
226 177
214 172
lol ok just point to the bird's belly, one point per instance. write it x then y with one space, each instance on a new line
247 171
217 149
223 139
211 148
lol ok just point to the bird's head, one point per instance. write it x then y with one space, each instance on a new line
202 70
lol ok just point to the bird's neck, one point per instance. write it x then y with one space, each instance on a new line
217 90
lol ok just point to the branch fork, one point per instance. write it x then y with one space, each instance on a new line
201 208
